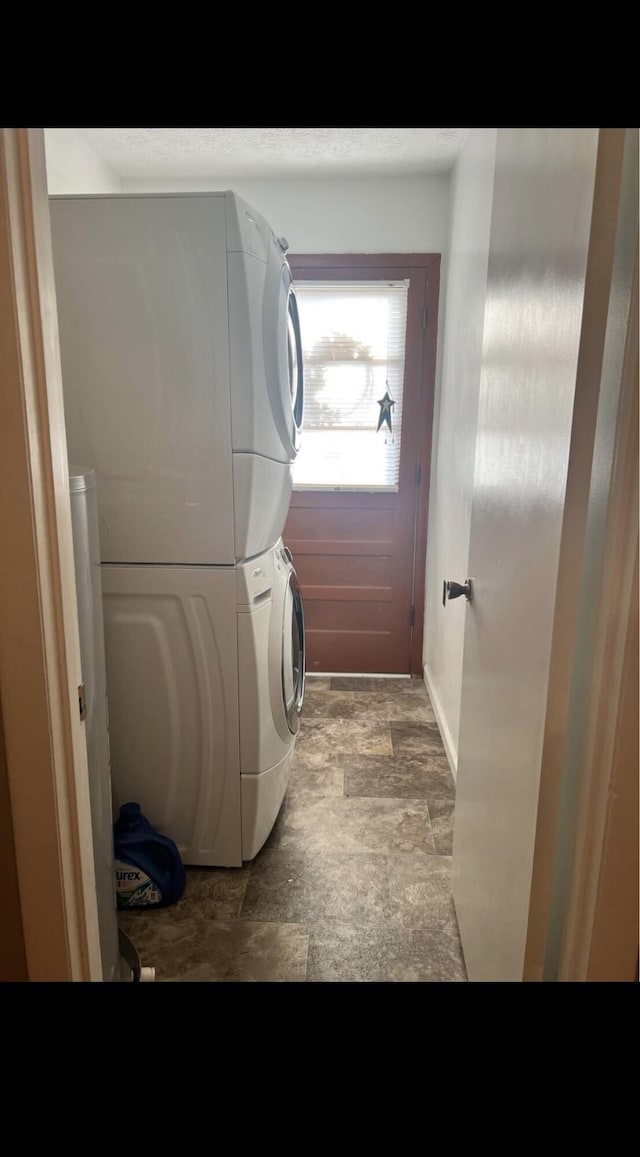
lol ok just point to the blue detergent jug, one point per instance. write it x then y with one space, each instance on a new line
148 866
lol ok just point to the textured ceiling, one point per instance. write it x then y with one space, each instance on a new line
224 152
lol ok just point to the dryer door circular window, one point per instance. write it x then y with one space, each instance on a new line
282 347
294 359
293 653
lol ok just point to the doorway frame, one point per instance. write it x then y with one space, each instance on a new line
19 299
600 926
315 265
45 754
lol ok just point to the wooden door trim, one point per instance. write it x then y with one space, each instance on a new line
44 740
429 352
609 271
600 939
312 265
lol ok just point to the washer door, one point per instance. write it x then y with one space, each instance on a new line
293 652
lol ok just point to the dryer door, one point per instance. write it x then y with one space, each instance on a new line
283 352
294 360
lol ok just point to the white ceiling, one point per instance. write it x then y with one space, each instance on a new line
223 152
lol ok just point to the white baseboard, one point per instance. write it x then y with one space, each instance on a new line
351 675
449 745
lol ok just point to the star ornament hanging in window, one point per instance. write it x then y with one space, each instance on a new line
385 405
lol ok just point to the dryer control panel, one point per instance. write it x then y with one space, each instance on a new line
247 230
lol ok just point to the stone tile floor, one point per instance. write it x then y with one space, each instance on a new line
353 882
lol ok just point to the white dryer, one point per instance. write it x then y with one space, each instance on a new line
182 371
205 678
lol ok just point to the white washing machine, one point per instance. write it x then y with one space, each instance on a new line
182 371
183 389
205 678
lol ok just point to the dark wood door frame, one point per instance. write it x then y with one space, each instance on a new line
312 265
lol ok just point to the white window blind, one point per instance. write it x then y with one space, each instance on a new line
353 343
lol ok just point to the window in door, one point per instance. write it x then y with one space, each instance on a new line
353 345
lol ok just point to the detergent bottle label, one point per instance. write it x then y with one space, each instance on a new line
134 889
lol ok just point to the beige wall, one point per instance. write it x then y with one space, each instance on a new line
339 214
324 215
73 166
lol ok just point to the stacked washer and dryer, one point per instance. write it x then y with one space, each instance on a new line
183 388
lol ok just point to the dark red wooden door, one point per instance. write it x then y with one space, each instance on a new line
360 557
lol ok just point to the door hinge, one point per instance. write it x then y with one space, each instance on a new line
424 318
82 702
418 475
412 617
